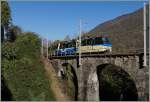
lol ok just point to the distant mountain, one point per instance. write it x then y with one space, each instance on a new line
126 31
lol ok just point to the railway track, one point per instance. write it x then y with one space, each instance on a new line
96 55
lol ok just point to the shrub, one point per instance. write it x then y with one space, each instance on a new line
23 70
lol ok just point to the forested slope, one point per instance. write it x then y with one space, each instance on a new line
125 31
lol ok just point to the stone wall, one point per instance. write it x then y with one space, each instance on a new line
87 81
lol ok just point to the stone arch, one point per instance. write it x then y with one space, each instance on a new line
68 66
115 84
99 88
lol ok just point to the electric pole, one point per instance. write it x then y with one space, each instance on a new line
80 43
47 47
42 46
144 25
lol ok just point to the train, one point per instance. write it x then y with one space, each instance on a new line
99 44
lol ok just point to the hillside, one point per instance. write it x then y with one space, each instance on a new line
126 31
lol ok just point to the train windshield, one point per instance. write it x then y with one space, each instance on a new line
71 44
98 40
105 41
101 40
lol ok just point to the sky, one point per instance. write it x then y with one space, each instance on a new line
56 20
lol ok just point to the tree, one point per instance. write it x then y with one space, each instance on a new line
54 45
13 32
5 18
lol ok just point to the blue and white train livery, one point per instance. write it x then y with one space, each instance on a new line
88 45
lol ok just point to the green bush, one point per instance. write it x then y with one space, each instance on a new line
23 69
70 83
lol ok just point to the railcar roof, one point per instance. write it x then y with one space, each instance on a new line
95 37
65 42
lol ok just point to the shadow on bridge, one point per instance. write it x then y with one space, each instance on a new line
72 81
115 84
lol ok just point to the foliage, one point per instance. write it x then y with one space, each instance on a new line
13 31
23 69
54 45
70 84
116 84
39 97
5 18
6 14
6 94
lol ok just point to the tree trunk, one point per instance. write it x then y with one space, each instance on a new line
2 33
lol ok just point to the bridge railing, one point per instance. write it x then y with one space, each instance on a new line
99 53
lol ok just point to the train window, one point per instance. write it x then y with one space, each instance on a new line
83 42
65 45
69 45
73 43
105 40
98 40
89 42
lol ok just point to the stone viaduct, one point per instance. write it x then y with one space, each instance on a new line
87 76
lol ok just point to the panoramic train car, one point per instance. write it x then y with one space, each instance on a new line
88 45
66 48
96 44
